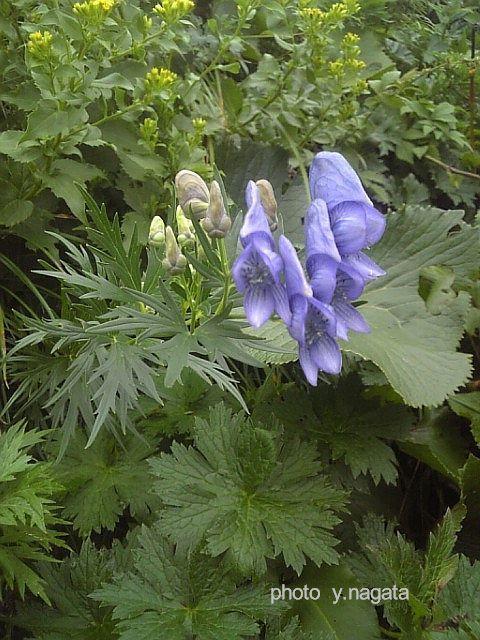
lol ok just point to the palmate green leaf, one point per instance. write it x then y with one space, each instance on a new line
246 494
180 596
458 602
416 350
27 511
324 618
293 631
388 558
105 479
73 613
355 428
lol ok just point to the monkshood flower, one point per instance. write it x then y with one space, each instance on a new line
349 287
257 271
355 223
323 257
313 324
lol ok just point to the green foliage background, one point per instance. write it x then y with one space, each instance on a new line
162 465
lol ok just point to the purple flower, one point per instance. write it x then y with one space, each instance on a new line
258 269
312 323
349 287
355 222
323 257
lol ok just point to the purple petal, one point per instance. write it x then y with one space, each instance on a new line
299 308
239 268
319 238
259 305
310 369
294 275
255 223
364 266
376 224
349 318
326 354
333 179
282 308
350 283
327 313
349 226
323 276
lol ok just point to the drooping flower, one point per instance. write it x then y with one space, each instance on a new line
156 234
257 271
313 324
269 202
349 287
356 224
216 222
192 192
323 257
174 261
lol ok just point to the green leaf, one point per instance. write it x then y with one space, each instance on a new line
105 479
175 595
48 120
467 405
252 161
63 179
438 443
245 494
69 585
15 211
417 350
355 428
458 602
292 208
323 616
26 512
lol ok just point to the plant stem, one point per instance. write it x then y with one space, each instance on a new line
390 634
449 168
298 157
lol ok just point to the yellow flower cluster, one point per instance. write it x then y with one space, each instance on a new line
149 132
173 10
316 17
40 44
158 79
94 11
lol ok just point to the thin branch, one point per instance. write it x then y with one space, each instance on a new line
450 169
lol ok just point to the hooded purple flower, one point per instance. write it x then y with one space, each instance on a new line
257 270
355 222
349 287
313 323
323 257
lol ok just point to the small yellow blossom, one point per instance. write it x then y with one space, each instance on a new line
94 11
158 79
149 132
173 10
40 44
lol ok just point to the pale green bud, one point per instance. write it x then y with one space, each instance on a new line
267 196
192 193
156 235
216 222
186 231
174 261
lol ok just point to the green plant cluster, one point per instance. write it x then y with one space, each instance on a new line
164 466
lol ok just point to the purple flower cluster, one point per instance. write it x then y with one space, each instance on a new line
341 222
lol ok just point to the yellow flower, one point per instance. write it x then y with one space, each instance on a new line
173 10
158 79
94 11
40 44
